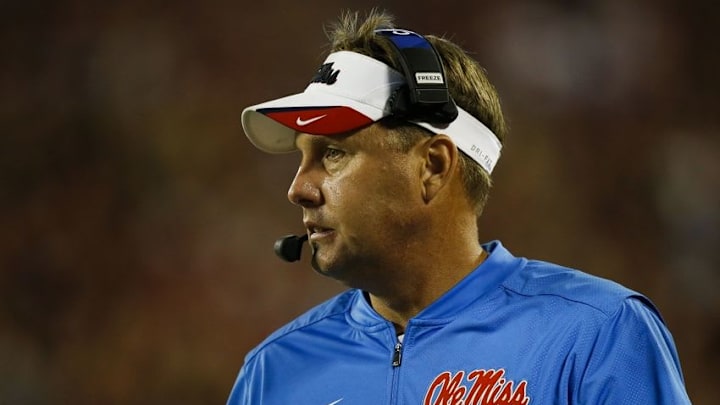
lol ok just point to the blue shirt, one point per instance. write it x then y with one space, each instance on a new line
514 331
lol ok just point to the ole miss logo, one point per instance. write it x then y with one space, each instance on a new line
477 387
326 74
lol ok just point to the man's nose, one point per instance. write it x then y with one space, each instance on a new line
304 189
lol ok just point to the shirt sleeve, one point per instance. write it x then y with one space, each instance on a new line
633 360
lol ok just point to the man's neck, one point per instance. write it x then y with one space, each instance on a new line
398 305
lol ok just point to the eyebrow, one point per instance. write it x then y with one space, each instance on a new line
320 140
310 140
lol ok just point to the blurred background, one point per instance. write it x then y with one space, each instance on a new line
137 222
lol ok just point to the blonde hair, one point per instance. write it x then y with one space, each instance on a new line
467 82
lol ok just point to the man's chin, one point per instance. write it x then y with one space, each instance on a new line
315 262
324 265
321 267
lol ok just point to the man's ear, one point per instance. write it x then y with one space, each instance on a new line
441 160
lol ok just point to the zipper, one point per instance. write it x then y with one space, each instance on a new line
397 355
395 367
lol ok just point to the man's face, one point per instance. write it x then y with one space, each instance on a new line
361 201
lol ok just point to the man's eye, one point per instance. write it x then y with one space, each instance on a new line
332 154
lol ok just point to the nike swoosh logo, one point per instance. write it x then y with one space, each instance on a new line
335 402
301 122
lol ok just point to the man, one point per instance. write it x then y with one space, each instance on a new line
392 178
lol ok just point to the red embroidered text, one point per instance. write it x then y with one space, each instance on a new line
482 387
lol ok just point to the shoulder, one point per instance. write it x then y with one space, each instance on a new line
333 308
542 279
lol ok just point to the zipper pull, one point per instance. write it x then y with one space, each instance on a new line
397 355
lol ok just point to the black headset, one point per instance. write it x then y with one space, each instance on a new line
426 96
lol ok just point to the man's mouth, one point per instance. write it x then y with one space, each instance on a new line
316 232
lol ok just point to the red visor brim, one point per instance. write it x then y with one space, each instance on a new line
318 120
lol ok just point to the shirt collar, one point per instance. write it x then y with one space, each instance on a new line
485 278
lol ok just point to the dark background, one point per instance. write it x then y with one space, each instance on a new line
136 221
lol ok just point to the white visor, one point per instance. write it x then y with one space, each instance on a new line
349 92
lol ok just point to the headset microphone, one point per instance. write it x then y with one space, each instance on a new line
289 247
